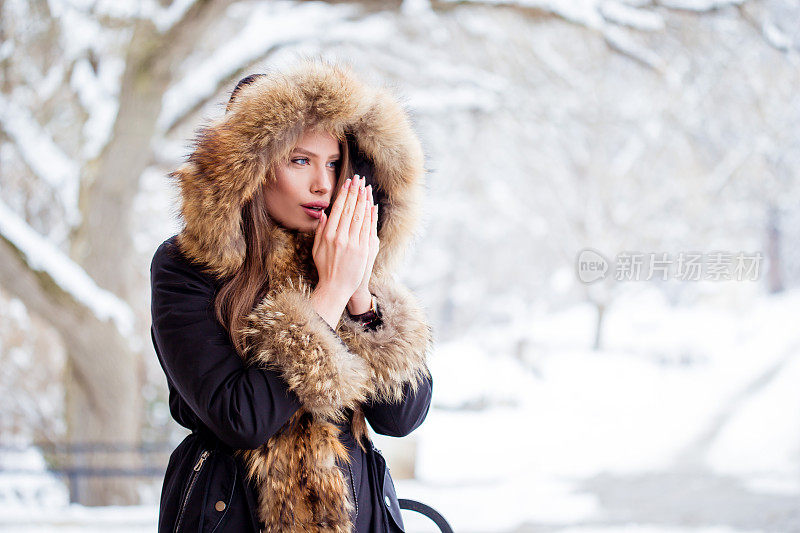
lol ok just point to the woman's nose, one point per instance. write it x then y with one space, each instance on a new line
323 181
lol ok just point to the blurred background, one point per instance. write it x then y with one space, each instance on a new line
609 254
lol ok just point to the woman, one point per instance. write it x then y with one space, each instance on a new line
279 325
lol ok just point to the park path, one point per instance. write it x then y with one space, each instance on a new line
690 496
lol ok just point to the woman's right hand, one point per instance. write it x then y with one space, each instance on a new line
341 248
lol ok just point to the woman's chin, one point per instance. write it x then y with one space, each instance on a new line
307 227
300 227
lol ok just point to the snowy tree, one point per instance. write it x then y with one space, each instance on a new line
549 126
107 66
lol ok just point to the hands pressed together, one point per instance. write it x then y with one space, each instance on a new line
344 251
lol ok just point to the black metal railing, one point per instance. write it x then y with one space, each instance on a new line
78 462
65 459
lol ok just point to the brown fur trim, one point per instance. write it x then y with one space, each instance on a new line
300 487
358 427
284 332
396 352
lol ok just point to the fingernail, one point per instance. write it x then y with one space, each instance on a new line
346 183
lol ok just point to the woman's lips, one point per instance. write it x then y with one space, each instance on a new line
313 213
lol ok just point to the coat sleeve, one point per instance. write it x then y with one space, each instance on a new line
243 406
284 332
396 351
400 419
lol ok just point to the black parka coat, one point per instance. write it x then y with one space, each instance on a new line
227 406
264 436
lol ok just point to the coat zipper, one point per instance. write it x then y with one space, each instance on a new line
195 473
353 485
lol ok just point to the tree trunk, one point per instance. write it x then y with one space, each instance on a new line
104 408
774 274
598 328
103 401
103 411
104 372
103 381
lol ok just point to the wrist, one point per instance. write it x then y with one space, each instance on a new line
331 293
370 318
329 303
360 302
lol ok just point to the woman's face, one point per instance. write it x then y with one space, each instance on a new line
307 178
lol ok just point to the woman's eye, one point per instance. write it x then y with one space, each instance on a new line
305 161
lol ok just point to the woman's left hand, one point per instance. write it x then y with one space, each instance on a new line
361 299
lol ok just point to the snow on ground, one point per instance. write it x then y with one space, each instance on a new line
74 518
21 491
522 417
562 413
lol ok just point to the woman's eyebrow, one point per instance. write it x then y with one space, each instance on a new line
312 154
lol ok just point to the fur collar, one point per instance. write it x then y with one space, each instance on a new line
297 473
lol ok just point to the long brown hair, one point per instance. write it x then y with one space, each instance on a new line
244 289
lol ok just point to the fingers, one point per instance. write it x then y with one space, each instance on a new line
358 213
346 217
373 236
318 232
372 219
373 216
336 210
366 225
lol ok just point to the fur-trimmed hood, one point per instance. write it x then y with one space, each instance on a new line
262 125
333 371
